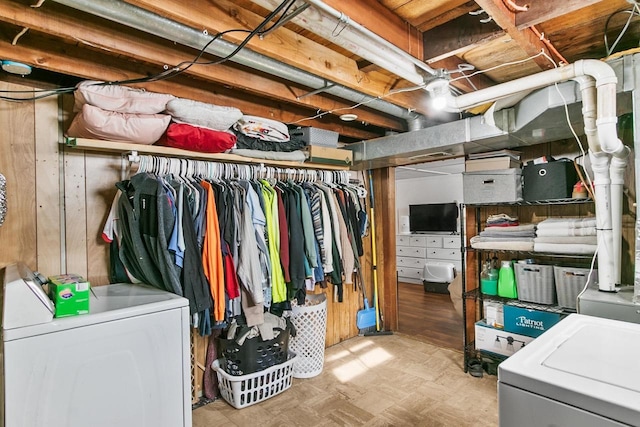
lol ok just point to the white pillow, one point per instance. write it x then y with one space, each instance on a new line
122 99
96 123
202 114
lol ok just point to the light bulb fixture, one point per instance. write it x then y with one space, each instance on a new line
16 68
438 89
348 117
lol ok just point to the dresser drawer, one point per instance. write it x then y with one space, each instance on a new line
419 241
403 240
403 261
448 254
434 241
411 251
452 242
409 273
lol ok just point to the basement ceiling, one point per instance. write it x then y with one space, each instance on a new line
314 65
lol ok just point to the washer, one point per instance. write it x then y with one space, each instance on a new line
125 364
583 372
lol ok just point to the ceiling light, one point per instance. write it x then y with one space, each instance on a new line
16 68
348 117
438 89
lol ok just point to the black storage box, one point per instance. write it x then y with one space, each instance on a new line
549 181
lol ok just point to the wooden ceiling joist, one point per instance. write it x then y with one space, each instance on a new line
544 10
530 42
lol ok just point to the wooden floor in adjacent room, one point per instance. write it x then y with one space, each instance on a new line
412 378
429 316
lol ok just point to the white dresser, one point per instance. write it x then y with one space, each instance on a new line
414 250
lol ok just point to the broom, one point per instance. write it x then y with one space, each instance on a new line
365 318
378 315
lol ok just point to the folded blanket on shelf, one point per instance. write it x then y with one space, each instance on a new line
559 232
503 244
292 156
262 128
510 229
513 234
553 223
581 240
559 248
481 238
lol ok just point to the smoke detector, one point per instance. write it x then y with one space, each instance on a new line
16 68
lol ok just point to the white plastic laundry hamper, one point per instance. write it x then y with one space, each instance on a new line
310 322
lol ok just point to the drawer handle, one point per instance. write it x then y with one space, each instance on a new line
488 181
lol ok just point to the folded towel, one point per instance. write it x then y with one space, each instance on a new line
521 227
513 235
480 238
586 240
558 248
567 223
507 245
558 232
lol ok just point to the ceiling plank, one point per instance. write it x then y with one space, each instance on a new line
451 63
526 39
111 41
458 36
377 18
544 10
440 16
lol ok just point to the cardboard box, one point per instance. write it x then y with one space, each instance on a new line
329 156
499 186
70 294
498 341
493 314
532 323
494 163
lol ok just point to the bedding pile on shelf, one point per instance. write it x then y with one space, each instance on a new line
120 113
503 232
566 236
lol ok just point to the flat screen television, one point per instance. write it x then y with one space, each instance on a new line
433 217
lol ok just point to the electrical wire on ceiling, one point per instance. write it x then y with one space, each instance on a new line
635 10
175 70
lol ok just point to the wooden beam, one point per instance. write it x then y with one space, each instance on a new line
451 63
113 42
544 10
384 184
526 39
458 36
374 16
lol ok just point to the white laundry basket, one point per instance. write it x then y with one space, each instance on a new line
310 322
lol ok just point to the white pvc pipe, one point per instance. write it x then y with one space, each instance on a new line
600 162
616 172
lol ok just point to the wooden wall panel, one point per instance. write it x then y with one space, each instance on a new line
103 171
48 200
17 164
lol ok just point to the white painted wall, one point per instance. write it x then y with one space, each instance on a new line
431 188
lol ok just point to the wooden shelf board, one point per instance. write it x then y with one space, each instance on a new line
123 147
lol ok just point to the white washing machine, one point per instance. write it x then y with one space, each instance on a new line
126 364
585 371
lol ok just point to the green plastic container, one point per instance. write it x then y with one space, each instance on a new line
507 281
